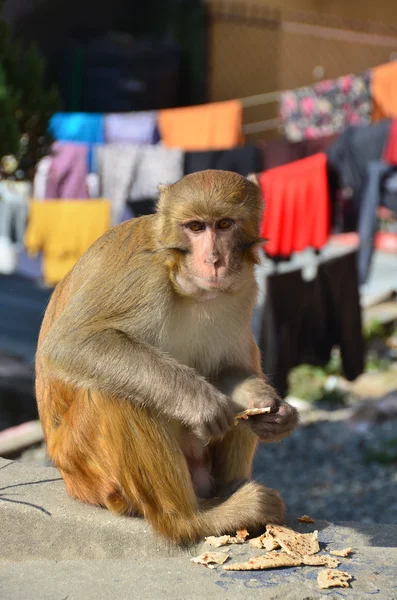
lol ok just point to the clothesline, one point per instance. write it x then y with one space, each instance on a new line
259 99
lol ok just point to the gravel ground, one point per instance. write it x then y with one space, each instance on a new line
321 471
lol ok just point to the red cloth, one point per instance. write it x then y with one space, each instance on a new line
296 214
390 151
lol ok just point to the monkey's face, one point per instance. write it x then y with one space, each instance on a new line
209 221
213 260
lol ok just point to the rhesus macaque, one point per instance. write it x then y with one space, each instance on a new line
146 354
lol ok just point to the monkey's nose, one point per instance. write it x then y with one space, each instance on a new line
213 258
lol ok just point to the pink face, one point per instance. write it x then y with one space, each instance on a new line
211 256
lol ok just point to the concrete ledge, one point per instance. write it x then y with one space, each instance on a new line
40 521
54 547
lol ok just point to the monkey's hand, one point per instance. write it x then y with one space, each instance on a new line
213 417
256 392
276 425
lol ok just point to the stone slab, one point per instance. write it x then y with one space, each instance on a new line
52 547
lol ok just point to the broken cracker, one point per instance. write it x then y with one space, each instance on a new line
322 560
225 540
210 559
333 578
345 552
222 540
305 519
293 543
251 412
265 541
273 560
241 536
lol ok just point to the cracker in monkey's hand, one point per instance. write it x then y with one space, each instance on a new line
333 578
251 412
225 540
211 559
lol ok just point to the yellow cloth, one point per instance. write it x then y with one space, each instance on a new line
214 126
384 91
63 230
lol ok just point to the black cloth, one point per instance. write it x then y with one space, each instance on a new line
140 208
349 156
276 153
243 160
303 320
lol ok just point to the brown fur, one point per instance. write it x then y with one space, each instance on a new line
130 372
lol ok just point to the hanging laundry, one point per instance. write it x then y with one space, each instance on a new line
155 165
384 91
63 231
243 160
41 178
373 197
327 107
302 320
275 153
390 148
132 127
214 126
351 153
68 172
141 208
296 214
14 198
116 164
79 127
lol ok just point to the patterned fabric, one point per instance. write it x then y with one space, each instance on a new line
326 108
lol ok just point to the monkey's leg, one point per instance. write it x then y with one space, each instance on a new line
112 453
232 459
232 456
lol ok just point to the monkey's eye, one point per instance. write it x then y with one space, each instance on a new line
195 226
225 223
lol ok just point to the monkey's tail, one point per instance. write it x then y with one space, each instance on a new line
251 506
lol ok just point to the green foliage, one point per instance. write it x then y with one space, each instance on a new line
309 383
374 330
25 105
306 382
9 131
376 363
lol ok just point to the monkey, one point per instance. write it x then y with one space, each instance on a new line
145 355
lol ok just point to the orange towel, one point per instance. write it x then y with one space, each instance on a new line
214 126
384 91
64 230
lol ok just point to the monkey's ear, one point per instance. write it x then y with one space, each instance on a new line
163 187
253 179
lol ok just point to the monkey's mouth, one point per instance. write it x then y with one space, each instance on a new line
212 281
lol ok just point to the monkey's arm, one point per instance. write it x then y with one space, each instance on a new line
251 390
91 350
